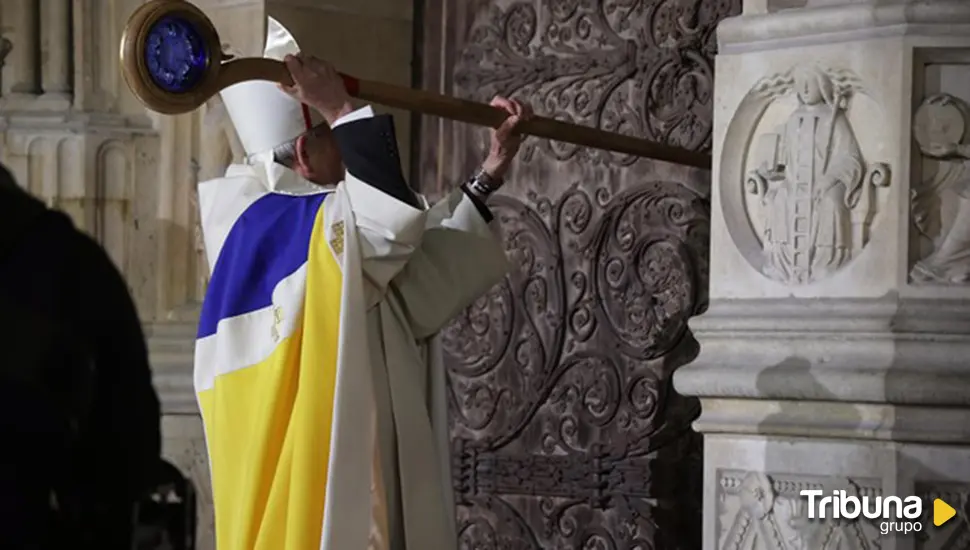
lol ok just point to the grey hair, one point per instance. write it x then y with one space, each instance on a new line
285 153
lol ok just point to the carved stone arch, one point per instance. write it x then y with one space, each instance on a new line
36 150
113 178
166 517
67 154
112 194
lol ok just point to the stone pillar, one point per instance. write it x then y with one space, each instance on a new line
834 354
25 48
55 47
6 45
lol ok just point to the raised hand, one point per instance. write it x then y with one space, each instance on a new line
317 84
505 140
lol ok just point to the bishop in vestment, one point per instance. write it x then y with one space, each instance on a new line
325 424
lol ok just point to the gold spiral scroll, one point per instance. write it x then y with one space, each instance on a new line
217 76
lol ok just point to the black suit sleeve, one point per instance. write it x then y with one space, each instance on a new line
482 208
368 148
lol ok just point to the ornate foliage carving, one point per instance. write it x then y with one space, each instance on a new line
766 512
560 375
940 128
643 67
566 430
815 187
604 286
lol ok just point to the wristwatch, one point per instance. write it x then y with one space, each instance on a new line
484 184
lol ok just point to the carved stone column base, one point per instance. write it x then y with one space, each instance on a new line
17 101
835 420
850 394
865 395
171 347
888 368
824 362
183 445
752 488
31 102
55 101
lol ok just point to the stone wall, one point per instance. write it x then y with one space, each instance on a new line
833 354
72 133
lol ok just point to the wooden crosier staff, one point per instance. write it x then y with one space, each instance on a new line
172 60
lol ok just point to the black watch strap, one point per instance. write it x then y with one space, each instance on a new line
483 183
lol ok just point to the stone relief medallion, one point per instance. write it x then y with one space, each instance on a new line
941 201
799 179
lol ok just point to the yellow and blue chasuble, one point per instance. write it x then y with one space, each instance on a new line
267 374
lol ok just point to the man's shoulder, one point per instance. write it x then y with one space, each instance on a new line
239 178
223 200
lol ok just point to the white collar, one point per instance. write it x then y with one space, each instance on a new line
276 177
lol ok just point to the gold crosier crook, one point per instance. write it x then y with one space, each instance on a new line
172 60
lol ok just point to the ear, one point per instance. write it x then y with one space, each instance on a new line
302 164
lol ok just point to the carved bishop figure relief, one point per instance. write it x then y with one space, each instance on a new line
812 185
941 203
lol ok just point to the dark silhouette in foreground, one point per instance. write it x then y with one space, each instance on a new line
79 418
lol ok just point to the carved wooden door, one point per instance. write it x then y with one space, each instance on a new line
566 431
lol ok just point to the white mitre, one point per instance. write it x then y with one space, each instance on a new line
264 117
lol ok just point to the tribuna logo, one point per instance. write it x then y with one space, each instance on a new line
898 515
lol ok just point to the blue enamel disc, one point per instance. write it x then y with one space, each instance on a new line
175 54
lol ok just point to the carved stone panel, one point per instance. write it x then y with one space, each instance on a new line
766 512
566 430
941 200
953 534
802 161
940 190
561 374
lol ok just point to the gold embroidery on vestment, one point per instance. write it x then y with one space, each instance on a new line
277 321
337 240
